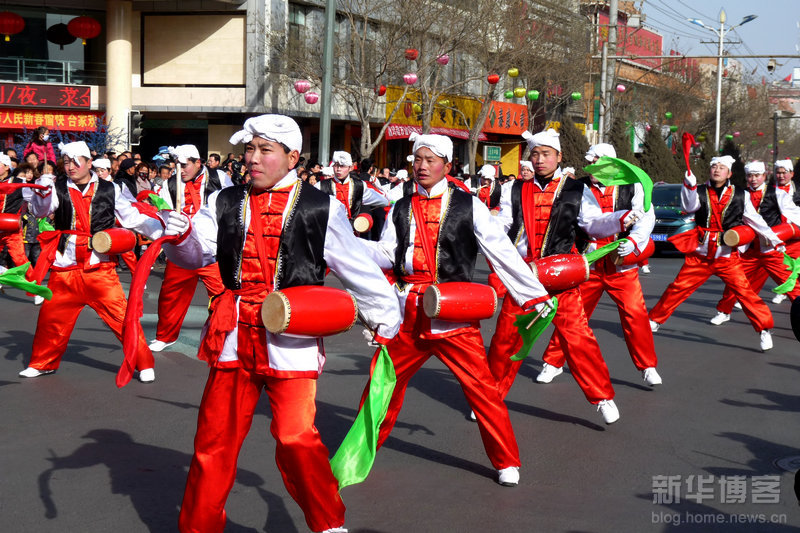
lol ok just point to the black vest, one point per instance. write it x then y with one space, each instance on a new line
212 185
102 214
301 251
768 208
457 246
731 214
14 199
562 228
494 198
326 186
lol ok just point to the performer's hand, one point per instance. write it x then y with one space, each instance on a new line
544 307
690 179
630 219
626 248
781 248
46 180
177 224
569 172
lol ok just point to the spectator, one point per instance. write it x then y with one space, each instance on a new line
213 162
143 181
40 145
126 176
32 159
102 167
164 172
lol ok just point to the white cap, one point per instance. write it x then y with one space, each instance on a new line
526 164
440 145
548 137
600 150
488 172
343 159
184 152
785 163
726 160
402 174
101 163
74 150
327 171
5 160
274 128
755 167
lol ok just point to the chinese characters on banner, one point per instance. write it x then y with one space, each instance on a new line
504 117
17 119
49 96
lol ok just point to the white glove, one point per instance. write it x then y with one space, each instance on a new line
569 171
781 249
48 180
177 224
626 248
631 218
544 308
690 179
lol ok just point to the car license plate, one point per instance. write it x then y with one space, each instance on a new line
658 236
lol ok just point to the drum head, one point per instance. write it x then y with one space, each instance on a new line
730 238
362 224
430 301
276 312
795 318
101 242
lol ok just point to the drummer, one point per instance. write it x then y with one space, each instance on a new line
423 246
12 203
354 194
307 230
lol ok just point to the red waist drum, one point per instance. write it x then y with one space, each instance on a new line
738 235
362 222
10 222
561 272
632 258
459 301
309 310
787 231
114 241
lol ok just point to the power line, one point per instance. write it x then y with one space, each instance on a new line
694 10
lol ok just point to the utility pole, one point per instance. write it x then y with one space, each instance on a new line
327 81
611 66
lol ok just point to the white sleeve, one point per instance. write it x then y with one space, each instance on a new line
344 254
596 223
757 222
199 248
395 194
788 208
131 218
372 197
224 179
163 192
43 206
689 200
515 274
505 213
640 232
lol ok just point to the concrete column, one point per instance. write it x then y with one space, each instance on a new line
258 26
118 69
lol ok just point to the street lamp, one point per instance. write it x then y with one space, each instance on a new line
721 34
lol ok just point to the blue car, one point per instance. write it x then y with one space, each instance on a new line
670 216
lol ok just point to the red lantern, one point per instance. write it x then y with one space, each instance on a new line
84 28
11 24
381 90
493 78
412 54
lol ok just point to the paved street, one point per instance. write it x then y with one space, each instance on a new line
79 455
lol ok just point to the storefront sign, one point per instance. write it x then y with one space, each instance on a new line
508 118
49 96
18 119
402 131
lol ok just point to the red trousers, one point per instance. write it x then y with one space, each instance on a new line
757 268
695 271
226 414
130 260
572 329
465 356
72 291
176 295
626 291
15 246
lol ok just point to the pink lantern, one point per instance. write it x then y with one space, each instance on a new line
301 86
736 133
311 98
620 88
443 59
410 78
647 127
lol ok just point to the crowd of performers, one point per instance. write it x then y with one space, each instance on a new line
413 288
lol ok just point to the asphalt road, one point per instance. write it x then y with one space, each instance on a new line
709 450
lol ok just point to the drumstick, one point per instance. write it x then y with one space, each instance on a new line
539 315
178 187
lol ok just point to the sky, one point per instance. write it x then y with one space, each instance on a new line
775 31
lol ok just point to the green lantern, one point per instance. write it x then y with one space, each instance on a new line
668 114
673 128
533 95
729 137
509 94
576 96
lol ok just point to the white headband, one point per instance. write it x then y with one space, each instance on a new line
488 172
548 137
402 174
74 150
184 152
5 160
755 167
276 128
526 164
726 160
343 158
785 164
101 163
600 150
440 145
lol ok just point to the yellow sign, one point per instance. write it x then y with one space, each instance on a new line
458 113
556 125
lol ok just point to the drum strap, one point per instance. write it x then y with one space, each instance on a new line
261 248
422 228
529 215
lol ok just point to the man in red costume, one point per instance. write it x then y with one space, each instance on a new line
82 205
542 216
272 233
621 282
178 287
718 206
354 194
433 236
758 260
489 191
12 203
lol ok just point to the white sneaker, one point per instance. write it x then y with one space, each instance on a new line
157 345
336 530
654 326
508 477
38 300
609 411
651 377
738 306
148 375
779 298
645 269
472 416
548 373
31 372
766 340
720 318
